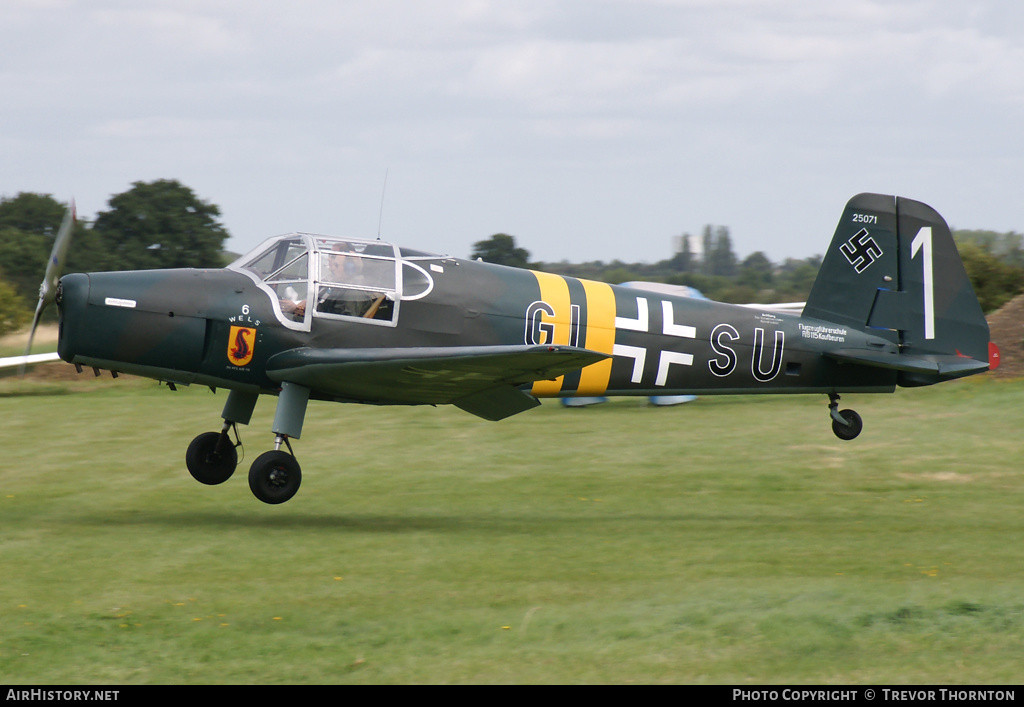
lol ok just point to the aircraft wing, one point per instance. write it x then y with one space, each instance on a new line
483 380
13 365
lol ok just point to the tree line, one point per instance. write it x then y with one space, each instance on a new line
712 268
994 263
163 224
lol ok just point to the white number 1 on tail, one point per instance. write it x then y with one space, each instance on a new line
923 240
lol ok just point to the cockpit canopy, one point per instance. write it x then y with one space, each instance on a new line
309 275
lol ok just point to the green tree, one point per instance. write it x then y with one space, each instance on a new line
795 277
14 311
28 224
707 245
32 213
160 224
721 259
1007 247
717 257
23 256
995 283
682 261
618 272
501 249
757 272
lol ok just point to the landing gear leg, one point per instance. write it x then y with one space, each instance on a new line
275 475
846 424
212 456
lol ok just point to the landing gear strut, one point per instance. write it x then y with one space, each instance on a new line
846 424
275 475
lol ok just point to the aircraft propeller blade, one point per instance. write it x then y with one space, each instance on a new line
54 268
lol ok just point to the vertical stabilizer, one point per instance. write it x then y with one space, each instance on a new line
893 268
862 259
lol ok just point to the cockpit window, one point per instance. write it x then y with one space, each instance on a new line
356 280
297 269
291 283
278 255
284 267
375 249
321 276
416 283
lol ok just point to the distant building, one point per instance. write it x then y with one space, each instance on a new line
696 245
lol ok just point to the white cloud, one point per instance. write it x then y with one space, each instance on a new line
574 121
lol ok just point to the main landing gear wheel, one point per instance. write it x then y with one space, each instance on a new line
274 477
211 458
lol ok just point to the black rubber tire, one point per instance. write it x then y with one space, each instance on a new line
205 464
848 431
274 477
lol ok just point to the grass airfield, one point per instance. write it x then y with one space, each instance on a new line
730 540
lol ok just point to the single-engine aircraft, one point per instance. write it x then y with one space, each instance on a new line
307 316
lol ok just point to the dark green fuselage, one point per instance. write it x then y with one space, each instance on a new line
365 321
182 325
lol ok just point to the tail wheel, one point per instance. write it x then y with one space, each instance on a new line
852 427
274 477
210 459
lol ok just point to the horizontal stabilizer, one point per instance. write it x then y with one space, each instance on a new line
942 365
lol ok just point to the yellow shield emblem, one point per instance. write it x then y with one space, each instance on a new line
241 342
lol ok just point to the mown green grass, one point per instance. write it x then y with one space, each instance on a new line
730 540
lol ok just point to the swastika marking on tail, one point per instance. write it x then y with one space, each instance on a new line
861 250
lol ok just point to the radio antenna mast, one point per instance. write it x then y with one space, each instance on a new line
380 217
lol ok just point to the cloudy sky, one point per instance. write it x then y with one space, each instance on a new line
588 129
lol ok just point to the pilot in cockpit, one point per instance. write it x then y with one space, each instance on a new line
344 267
